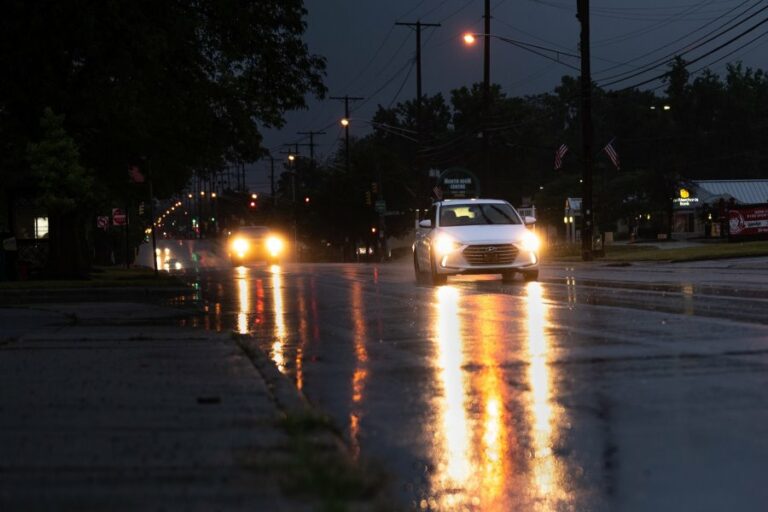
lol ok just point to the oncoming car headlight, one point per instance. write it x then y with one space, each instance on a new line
444 244
530 242
240 245
274 245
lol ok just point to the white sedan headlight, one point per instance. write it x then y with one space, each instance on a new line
444 244
530 242
274 246
240 245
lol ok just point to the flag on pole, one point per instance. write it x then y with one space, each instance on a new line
135 175
559 154
612 154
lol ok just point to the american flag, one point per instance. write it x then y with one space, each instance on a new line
134 174
559 154
612 154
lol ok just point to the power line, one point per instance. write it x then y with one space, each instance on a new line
665 46
697 59
682 51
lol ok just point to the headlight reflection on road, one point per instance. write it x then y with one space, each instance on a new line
244 297
493 464
454 468
360 374
278 346
542 415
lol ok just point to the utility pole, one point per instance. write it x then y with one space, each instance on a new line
346 99
418 25
311 145
486 92
272 179
587 215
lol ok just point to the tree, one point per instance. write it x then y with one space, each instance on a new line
65 187
187 85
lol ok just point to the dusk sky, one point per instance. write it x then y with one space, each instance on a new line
368 56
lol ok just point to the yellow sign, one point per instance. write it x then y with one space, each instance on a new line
684 194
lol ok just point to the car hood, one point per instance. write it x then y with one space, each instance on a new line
493 234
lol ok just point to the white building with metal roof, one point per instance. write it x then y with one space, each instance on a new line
700 205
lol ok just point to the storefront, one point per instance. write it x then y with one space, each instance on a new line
702 208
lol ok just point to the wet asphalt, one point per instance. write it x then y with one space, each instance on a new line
599 388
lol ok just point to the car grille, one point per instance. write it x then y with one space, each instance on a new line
495 254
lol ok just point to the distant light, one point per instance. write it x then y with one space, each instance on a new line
667 107
291 157
306 199
373 230
189 196
344 122
541 187
202 192
213 194
254 196
253 204
469 38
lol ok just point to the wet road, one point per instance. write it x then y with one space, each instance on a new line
597 389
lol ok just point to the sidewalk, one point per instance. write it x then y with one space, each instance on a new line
95 416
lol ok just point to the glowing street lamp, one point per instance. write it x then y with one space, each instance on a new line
344 122
469 38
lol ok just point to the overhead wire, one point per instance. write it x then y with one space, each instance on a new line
666 45
695 45
697 59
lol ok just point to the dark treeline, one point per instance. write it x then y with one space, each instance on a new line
90 88
713 127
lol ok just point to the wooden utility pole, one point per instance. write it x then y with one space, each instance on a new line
587 215
346 99
418 25
486 92
311 145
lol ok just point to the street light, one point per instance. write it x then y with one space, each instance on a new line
469 38
344 122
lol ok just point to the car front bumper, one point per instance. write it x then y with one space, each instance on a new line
486 259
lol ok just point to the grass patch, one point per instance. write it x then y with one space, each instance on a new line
640 252
101 277
325 471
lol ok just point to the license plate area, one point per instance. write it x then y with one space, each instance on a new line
491 257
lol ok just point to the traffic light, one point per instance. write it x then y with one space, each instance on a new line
368 200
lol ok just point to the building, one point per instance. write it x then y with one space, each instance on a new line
701 208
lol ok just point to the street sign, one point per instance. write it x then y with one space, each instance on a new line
102 222
119 218
380 206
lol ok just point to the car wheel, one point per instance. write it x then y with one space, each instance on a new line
435 278
508 276
530 275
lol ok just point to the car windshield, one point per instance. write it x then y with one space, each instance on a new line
478 214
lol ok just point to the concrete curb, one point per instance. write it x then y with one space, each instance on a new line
288 398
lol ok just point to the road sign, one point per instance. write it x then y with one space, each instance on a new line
380 206
102 222
119 218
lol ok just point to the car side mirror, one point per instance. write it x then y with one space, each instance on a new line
426 223
529 221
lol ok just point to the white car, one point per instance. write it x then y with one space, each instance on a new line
475 236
